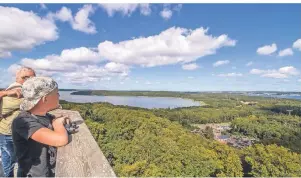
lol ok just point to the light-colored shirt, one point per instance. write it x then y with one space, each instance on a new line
10 109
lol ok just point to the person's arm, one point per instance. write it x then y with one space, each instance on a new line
4 93
57 138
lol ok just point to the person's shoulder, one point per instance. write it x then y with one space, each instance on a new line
25 125
50 116
23 118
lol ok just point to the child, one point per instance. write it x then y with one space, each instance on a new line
36 134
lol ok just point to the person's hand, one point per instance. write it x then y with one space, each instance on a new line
14 92
61 120
72 128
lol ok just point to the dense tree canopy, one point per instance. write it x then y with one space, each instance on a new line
271 161
158 142
138 143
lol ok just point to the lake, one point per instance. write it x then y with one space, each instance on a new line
136 101
296 97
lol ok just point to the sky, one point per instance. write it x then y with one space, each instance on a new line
174 47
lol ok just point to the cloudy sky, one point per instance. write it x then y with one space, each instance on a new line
181 47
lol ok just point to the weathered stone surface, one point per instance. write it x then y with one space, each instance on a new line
82 157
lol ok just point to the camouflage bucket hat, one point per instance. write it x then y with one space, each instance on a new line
34 89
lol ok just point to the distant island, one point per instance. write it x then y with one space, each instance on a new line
184 94
132 93
67 90
168 93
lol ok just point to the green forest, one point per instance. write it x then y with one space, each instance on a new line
159 142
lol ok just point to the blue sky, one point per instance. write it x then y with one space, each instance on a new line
180 47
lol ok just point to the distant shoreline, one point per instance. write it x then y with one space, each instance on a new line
192 95
187 92
173 93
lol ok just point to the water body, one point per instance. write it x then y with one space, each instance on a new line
296 97
136 101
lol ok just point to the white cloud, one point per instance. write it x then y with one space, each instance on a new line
299 80
178 7
48 64
64 15
80 21
145 9
220 63
148 83
275 75
94 73
126 9
286 52
290 70
80 55
166 13
75 66
191 66
267 50
82 77
66 61
43 6
230 75
297 44
190 77
13 68
23 30
249 63
283 72
5 54
257 71
116 67
172 46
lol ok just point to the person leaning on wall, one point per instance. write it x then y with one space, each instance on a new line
36 133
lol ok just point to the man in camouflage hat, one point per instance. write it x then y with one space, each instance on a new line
36 133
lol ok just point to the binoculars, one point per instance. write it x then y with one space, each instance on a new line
72 128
